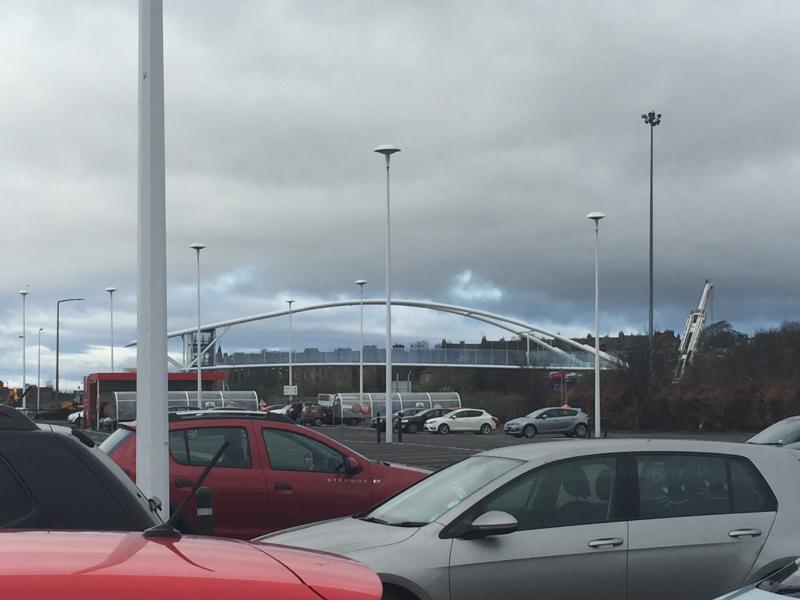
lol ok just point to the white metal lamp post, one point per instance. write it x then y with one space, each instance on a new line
291 346
111 291
361 283
39 372
24 293
596 217
58 335
199 343
387 150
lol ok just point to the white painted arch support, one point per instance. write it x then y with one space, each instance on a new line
515 326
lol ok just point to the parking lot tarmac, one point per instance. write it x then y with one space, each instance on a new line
433 451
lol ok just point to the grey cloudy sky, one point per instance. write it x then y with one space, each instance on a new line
516 119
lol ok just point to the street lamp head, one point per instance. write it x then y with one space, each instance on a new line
360 282
41 329
387 149
111 290
596 216
197 246
652 118
290 302
24 292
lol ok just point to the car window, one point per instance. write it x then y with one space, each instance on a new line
573 492
570 412
196 447
15 502
750 492
289 451
553 412
684 485
461 414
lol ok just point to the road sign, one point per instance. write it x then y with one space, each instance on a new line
290 390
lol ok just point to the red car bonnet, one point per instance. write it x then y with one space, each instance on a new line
127 566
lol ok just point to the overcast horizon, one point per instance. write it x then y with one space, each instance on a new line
515 120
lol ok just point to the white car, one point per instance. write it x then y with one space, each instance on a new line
76 418
785 583
462 419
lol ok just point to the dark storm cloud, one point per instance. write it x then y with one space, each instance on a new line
516 119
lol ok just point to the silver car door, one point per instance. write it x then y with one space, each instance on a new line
546 421
569 544
702 522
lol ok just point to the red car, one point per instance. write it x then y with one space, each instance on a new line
57 565
274 474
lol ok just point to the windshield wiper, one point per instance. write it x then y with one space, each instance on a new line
372 520
768 443
408 523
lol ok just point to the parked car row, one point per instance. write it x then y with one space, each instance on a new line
655 519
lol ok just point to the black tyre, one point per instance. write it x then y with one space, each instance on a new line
486 429
412 428
317 422
529 431
443 429
581 430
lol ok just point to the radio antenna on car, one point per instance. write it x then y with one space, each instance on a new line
167 529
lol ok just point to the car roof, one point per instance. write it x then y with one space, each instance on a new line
45 565
556 450
218 414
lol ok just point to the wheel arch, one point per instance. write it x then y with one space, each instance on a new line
400 588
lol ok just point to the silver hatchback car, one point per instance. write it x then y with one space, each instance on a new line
566 420
635 519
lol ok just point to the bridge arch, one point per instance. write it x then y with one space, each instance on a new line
535 335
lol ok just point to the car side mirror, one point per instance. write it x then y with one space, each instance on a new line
352 466
494 522
452 418
155 503
542 417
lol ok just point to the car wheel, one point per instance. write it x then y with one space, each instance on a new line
529 431
317 422
412 428
581 430
443 429
486 429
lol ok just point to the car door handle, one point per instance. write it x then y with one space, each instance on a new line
605 542
737 533
183 483
282 486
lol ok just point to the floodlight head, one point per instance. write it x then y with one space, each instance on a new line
596 216
197 246
111 290
361 282
387 149
290 302
24 292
